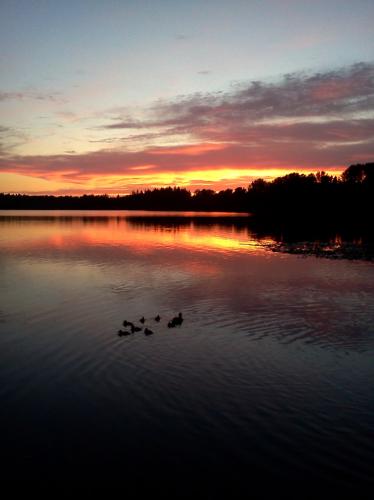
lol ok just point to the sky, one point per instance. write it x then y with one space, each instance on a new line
115 96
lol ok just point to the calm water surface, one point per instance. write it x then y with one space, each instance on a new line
270 377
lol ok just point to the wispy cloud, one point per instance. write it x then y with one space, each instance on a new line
52 96
325 95
10 138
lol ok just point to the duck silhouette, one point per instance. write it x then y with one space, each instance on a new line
136 329
157 318
142 319
127 323
123 333
176 321
147 331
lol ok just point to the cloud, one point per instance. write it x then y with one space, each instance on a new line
11 138
80 167
131 125
331 94
33 95
331 106
301 121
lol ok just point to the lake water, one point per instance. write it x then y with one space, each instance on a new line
269 378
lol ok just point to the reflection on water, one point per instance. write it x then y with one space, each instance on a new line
271 372
133 231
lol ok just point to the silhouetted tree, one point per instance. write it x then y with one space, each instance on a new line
294 196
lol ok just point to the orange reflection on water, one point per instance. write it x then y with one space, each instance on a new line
139 234
145 238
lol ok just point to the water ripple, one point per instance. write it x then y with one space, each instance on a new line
257 378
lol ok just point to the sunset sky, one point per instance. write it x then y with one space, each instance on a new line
118 95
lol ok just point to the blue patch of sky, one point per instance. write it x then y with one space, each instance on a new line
127 52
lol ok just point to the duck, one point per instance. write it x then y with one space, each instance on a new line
123 333
142 319
147 331
157 318
127 323
136 329
176 321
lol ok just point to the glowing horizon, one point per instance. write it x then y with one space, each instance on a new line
231 180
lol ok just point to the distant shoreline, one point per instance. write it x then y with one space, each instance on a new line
314 198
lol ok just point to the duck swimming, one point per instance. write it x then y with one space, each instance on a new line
127 323
179 319
176 321
123 333
136 329
157 318
147 331
142 319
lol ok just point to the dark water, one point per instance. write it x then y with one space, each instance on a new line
269 380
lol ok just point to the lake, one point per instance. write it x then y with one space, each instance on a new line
269 379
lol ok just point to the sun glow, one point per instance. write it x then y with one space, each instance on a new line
148 178
215 179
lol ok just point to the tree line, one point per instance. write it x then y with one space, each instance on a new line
295 195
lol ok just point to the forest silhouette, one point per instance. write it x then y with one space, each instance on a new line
314 197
